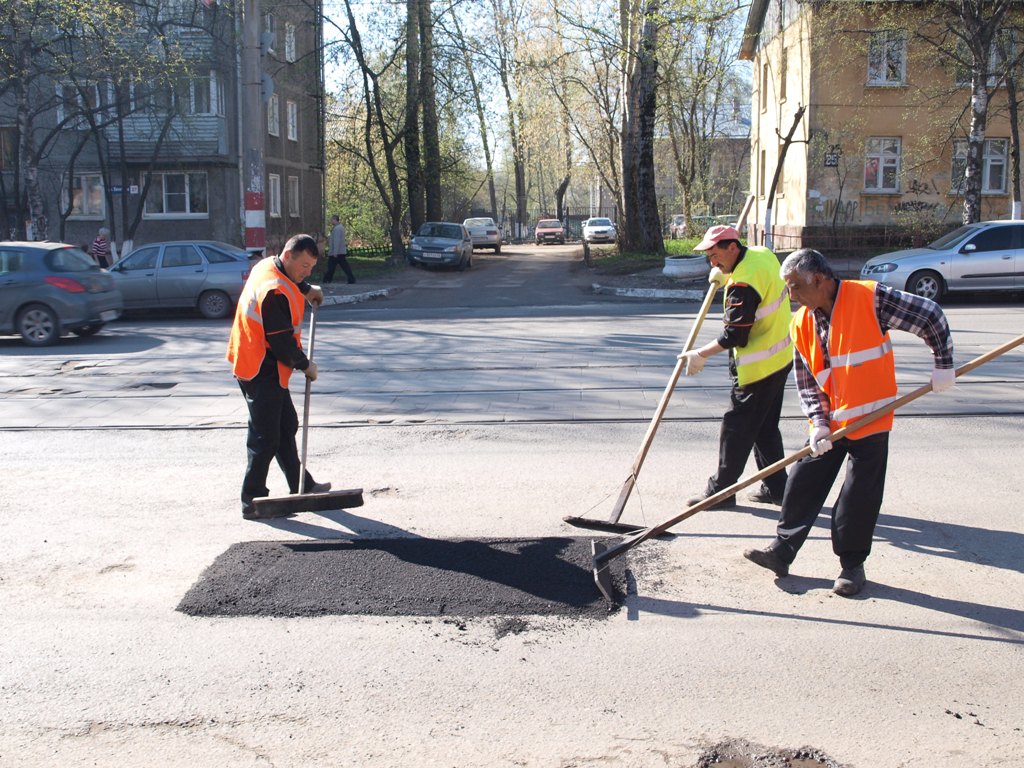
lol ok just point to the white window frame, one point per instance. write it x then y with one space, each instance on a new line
274 195
294 209
270 30
8 147
292 119
994 156
158 187
74 94
274 115
887 58
289 43
205 83
87 182
875 151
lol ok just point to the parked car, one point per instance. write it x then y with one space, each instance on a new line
485 232
599 230
442 242
975 257
202 274
49 288
549 231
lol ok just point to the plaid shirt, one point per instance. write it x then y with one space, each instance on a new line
894 309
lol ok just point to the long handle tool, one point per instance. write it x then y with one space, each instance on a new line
604 554
302 501
612 523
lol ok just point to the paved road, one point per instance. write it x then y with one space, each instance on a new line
120 488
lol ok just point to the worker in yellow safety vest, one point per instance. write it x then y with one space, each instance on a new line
756 333
264 348
845 369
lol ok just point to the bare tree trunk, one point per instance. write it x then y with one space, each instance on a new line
431 141
414 170
1014 104
768 240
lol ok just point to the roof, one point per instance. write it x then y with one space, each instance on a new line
752 31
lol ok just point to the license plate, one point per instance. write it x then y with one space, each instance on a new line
110 314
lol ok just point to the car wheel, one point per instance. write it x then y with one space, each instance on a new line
213 305
38 325
87 330
927 284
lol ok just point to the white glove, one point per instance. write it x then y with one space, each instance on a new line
820 440
315 295
717 277
694 362
943 379
311 371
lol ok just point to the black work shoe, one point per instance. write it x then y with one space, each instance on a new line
319 488
850 581
768 558
729 502
763 496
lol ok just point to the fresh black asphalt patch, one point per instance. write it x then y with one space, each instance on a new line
550 576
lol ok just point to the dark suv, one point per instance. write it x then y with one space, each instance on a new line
49 288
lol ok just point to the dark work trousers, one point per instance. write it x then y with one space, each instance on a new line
855 512
336 260
752 423
272 427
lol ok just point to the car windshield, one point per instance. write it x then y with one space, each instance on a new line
69 260
432 229
479 222
600 222
952 238
549 224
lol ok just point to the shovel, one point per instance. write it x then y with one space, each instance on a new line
279 506
612 523
604 554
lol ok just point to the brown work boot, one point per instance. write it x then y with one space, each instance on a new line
768 558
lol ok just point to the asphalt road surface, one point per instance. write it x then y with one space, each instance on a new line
122 456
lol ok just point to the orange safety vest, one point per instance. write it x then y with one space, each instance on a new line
248 346
860 376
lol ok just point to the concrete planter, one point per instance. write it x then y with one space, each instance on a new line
686 267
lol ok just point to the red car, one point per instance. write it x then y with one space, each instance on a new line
549 231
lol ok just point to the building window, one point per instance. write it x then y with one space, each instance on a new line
273 116
292 110
270 32
75 100
887 58
8 145
764 87
274 195
783 65
760 173
780 185
293 196
882 165
86 196
201 96
177 195
289 42
993 166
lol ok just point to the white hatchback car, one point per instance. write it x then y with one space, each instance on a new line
485 232
599 230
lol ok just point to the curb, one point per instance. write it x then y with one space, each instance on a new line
355 298
649 293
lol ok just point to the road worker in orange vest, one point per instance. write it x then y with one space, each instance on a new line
264 348
844 369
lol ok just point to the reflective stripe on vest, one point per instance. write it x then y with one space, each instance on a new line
769 346
248 346
861 375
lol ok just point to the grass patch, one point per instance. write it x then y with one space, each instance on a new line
608 261
363 267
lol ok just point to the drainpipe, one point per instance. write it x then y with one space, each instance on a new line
253 129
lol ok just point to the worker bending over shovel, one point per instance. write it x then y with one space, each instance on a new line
264 348
845 369
756 319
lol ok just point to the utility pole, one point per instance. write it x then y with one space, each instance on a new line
251 149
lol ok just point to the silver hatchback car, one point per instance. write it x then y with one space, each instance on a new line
987 256
202 274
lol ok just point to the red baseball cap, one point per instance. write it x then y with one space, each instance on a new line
717 234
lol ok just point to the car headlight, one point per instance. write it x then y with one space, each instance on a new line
878 269
414 247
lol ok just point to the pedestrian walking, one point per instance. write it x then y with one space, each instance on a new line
100 248
756 334
264 348
337 251
845 369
